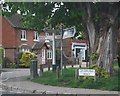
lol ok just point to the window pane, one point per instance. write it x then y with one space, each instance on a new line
23 34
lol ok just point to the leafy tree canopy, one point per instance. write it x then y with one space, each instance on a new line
51 14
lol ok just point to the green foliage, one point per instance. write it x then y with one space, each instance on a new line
26 58
1 56
99 71
35 15
13 65
19 56
94 56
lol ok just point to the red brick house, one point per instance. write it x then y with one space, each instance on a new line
71 48
16 38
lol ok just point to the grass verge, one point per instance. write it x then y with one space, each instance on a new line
68 80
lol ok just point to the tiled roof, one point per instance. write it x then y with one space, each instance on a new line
40 44
15 20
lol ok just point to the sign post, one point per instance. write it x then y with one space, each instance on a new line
54 60
66 33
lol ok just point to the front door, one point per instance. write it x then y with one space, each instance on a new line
82 50
43 56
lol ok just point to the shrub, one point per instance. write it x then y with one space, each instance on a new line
99 71
1 55
26 58
94 56
7 62
19 56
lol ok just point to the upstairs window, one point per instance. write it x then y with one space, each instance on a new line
36 36
23 35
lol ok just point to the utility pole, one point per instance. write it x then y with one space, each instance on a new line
61 50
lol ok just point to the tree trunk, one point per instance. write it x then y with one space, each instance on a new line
102 42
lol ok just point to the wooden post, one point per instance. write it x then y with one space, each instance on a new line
80 60
95 78
64 66
76 74
48 67
58 72
72 65
41 70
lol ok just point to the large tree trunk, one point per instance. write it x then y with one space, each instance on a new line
101 42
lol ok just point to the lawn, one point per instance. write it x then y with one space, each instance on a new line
68 80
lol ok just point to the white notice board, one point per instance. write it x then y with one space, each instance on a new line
86 72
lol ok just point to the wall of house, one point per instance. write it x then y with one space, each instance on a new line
29 38
8 34
67 46
8 40
10 55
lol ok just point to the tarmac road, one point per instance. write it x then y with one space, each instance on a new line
17 78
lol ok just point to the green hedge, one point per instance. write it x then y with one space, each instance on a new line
1 56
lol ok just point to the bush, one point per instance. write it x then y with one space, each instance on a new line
7 62
19 56
1 56
26 58
94 56
100 72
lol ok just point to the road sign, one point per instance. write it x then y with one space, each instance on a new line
86 72
69 32
49 37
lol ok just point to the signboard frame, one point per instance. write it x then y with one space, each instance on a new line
87 72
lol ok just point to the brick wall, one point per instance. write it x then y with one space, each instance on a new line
8 34
11 39
67 46
29 38
10 55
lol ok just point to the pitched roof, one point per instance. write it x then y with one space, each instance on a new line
40 44
15 21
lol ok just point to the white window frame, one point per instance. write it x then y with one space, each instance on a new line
23 35
83 49
49 54
36 36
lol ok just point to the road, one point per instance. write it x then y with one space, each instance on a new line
16 80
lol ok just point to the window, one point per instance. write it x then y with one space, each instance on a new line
36 36
25 50
23 35
49 54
